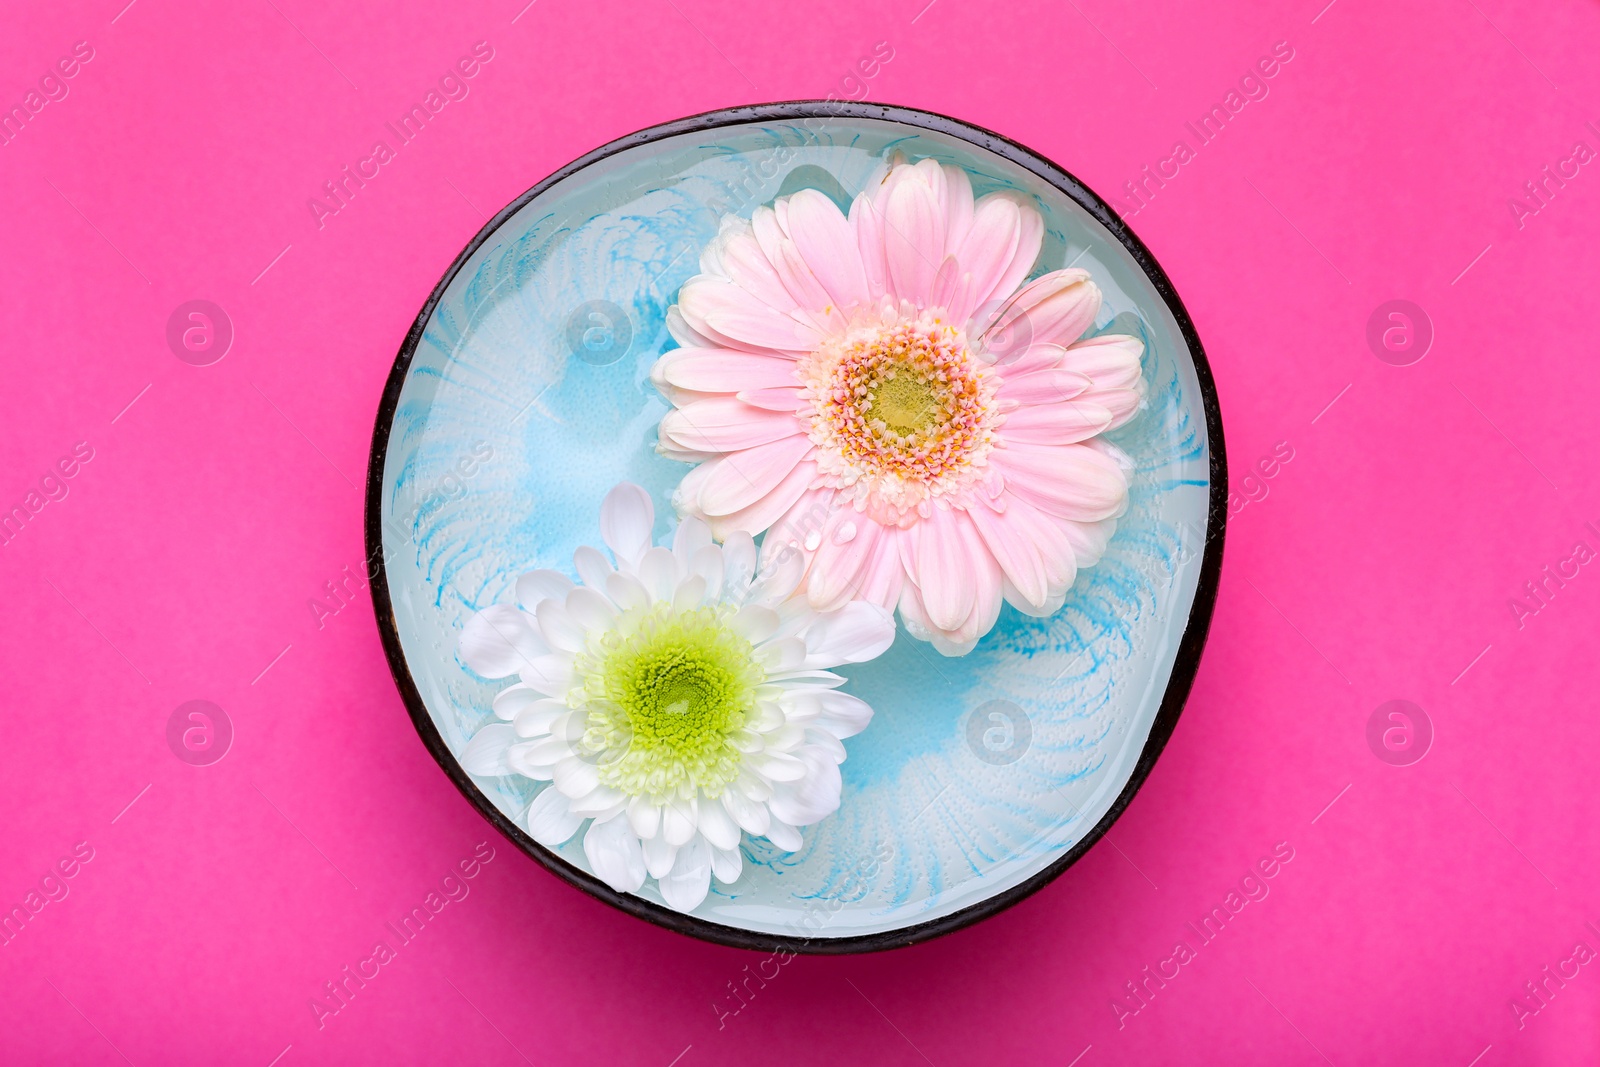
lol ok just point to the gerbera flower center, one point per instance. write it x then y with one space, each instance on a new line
908 402
663 700
903 411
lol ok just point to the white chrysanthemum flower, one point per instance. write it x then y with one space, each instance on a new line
675 698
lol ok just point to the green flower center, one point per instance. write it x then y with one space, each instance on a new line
663 695
907 402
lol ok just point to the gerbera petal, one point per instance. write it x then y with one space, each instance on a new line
959 209
847 544
615 854
991 246
1014 539
626 518
764 512
1112 362
720 310
866 219
1062 423
943 552
498 641
1076 482
550 819
747 266
686 885
1089 539
721 370
913 240
724 424
1053 309
1043 386
824 239
742 479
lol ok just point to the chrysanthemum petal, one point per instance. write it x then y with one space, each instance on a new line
716 825
784 836
550 820
752 816
590 609
677 822
686 885
538 585
658 855
626 518
726 864
644 815
615 855
498 641
538 718
485 754
658 570
576 777
812 797
513 699
592 566
557 627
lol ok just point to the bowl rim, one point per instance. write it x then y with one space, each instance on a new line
1184 668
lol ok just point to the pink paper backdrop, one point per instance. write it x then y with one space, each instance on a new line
1385 162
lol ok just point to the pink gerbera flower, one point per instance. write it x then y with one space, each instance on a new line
885 394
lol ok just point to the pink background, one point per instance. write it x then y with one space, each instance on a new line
1380 564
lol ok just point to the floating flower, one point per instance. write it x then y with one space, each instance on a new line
674 698
885 395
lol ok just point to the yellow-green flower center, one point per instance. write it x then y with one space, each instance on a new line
908 401
663 697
